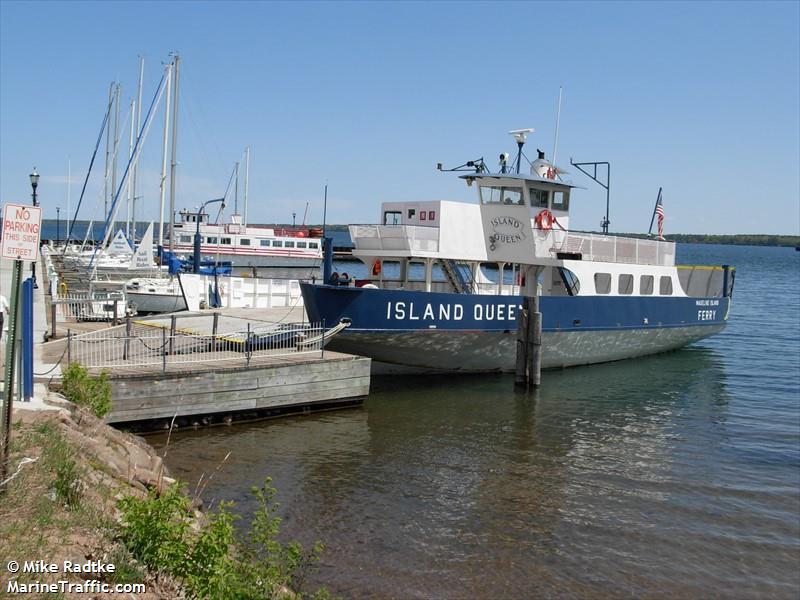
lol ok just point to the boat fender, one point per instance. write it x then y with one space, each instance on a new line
544 220
376 267
63 289
334 278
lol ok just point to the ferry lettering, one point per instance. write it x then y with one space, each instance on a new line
458 312
411 314
400 310
706 315
444 312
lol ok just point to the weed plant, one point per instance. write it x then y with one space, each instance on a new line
83 389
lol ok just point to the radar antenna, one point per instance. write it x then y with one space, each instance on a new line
520 135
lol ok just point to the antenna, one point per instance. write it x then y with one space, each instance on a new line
520 135
558 120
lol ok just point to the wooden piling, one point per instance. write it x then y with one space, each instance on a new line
529 344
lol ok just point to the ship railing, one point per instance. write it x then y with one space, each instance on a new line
604 248
395 237
160 348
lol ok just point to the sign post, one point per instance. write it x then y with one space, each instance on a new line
20 242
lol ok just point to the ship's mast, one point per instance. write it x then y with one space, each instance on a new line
174 159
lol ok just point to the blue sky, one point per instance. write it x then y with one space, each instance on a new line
699 98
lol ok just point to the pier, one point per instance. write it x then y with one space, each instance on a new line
197 368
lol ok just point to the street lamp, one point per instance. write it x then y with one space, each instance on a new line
34 184
196 257
58 225
294 214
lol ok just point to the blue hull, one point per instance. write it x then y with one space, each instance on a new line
463 332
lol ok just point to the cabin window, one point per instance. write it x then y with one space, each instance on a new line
560 200
665 286
211 240
277 244
288 245
301 244
602 283
501 195
571 282
412 213
625 284
186 239
392 217
225 240
423 215
431 215
539 198
313 245
263 242
244 241
646 285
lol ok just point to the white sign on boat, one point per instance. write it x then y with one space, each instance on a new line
21 232
119 245
143 257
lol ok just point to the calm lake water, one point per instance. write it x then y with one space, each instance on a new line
675 476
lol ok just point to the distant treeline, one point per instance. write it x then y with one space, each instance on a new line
739 239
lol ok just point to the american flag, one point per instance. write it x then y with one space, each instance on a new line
660 213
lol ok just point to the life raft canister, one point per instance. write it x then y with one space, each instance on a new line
377 267
544 220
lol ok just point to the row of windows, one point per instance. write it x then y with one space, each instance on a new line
226 241
602 283
394 217
558 200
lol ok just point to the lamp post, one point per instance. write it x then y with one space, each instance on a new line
34 184
58 225
294 214
196 257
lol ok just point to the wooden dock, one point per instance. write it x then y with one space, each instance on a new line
185 367
220 393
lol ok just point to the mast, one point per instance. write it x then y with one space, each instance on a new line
116 140
558 120
246 180
138 124
130 187
164 159
174 159
236 188
108 151
69 193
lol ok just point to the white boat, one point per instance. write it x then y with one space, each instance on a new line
247 245
155 295
447 280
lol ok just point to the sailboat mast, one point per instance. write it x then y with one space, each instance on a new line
558 120
69 193
130 187
108 151
236 188
116 140
138 125
174 159
164 159
246 180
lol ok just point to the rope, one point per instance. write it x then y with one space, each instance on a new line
58 362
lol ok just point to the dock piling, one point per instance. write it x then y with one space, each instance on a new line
529 344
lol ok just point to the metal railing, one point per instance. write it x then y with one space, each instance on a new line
395 237
606 248
159 348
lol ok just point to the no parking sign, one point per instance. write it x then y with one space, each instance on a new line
21 232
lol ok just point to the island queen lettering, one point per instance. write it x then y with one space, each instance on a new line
507 230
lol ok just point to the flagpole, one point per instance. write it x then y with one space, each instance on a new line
653 218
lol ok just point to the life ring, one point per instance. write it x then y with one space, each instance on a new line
377 267
545 220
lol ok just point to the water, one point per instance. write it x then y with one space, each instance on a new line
674 476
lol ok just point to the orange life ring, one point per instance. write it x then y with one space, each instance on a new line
545 220
377 267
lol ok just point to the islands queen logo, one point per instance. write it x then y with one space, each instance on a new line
507 230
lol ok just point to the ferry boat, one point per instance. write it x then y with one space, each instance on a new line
248 245
447 280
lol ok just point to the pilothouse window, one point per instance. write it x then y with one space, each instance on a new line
501 195
560 201
539 198
391 217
